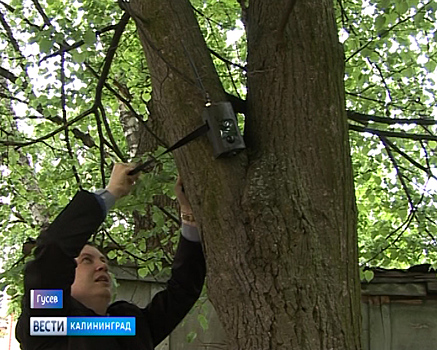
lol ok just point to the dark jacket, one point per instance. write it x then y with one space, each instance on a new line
54 268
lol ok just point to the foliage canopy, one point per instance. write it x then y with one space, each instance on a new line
70 70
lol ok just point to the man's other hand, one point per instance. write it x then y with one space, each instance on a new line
120 183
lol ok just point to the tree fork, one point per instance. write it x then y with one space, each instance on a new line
279 220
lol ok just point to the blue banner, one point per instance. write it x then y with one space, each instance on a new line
82 326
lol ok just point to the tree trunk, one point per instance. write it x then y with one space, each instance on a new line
278 220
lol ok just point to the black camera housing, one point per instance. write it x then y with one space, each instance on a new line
223 133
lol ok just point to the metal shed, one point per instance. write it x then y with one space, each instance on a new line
399 311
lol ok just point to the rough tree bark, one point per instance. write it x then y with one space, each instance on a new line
278 220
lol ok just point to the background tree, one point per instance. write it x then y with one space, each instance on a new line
278 219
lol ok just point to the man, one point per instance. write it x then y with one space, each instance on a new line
64 261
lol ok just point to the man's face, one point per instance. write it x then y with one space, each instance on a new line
92 283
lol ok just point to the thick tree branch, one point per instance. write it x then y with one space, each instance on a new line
10 35
110 56
8 7
401 135
7 75
240 106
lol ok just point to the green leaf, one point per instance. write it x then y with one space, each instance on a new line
143 272
368 275
203 321
79 57
419 18
401 6
430 66
432 144
384 3
191 336
379 22
112 254
45 45
11 291
89 38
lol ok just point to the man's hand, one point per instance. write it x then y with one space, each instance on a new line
186 211
120 183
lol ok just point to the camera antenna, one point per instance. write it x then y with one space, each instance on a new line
198 79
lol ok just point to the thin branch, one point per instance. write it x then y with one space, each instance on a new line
67 48
382 103
169 215
244 10
42 13
64 117
109 132
344 16
86 138
2 95
360 117
401 135
124 249
227 61
359 50
382 77
411 160
64 48
109 145
207 18
128 105
106 29
406 223
51 134
389 30
426 155
101 147
398 171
